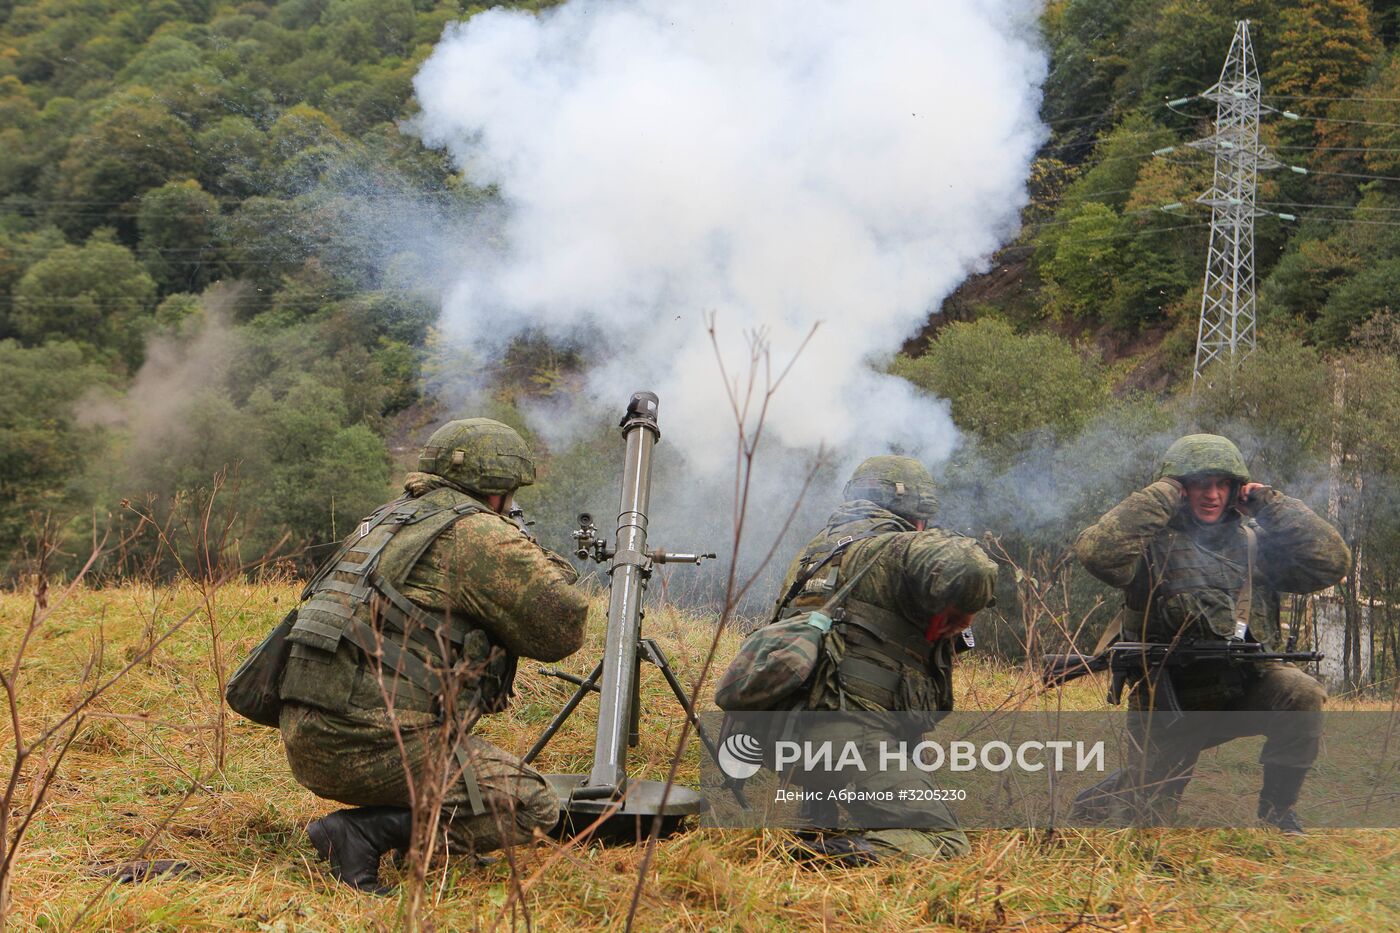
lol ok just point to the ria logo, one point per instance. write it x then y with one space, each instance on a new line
740 756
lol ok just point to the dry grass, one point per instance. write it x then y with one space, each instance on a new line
242 830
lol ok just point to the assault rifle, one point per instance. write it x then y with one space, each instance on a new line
1136 661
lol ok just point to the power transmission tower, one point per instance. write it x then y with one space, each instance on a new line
1227 300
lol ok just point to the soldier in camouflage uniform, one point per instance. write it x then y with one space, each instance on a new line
420 616
892 648
1198 554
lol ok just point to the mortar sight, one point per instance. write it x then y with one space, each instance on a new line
588 546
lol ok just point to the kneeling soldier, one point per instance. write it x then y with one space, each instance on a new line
436 592
915 591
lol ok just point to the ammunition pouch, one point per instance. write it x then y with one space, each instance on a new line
1194 593
889 663
872 658
878 630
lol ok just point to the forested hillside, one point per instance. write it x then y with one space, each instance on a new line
207 189
172 191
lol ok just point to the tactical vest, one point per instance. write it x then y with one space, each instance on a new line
357 638
877 659
1194 588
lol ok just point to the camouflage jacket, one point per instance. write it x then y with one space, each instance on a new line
492 584
1180 576
878 657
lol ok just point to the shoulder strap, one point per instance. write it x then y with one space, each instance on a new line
395 567
836 551
358 559
372 521
1245 596
840 595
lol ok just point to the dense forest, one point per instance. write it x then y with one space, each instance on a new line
175 179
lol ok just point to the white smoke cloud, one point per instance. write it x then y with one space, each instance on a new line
779 164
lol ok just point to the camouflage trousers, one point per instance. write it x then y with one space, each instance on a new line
896 829
355 758
1160 761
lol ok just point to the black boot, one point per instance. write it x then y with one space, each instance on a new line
1101 803
353 840
1282 784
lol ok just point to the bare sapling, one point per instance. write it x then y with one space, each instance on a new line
39 748
749 398
199 537
436 757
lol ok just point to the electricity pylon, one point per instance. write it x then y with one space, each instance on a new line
1227 300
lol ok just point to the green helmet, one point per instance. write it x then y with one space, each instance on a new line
480 455
900 484
1204 453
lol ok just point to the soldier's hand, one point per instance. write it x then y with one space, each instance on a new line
1176 484
1245 500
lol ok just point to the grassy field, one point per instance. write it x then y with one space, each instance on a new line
143 768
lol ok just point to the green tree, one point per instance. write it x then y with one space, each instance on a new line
1159 262
1119 156
43 443
36 163
18 251
1003 386
304 142
18 117
301 128
366 30
230 156
96 293
1276 405
1374 289
1323 48
268 239
1382 139
134 146
1299 286
1078 260
180 226
161 58
1186 42
378 97
1089 53
318 472
1324 51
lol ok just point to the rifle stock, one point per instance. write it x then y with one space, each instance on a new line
1056 669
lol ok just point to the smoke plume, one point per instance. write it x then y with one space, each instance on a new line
776 166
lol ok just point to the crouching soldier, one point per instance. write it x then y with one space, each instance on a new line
911 592
436 593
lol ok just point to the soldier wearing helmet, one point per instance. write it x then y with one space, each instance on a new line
1202 554
893 647
415 624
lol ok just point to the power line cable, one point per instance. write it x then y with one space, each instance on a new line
1332 207
1386 100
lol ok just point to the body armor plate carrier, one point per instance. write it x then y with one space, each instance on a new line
355 596
877 643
